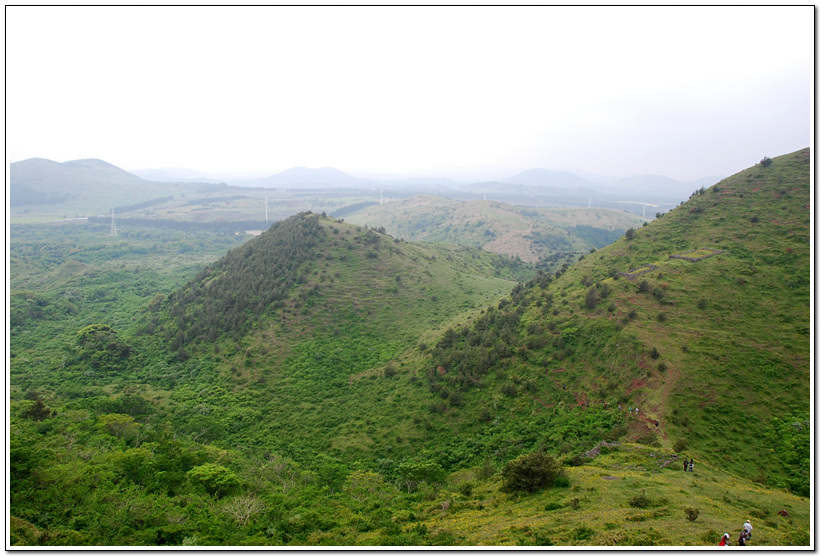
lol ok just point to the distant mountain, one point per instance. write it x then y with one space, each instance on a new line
48 175
650 188
308 177
42 181
174 175
658 186
87 186
548 178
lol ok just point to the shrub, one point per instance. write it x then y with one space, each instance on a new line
576 461
592 298
215 479
552 506
691 513
530 472
561 482
542 539
582 533
390 370
766 161
641 500
679 445
649 439
466 489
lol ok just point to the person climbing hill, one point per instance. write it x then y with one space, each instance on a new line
724 540
741 540
747 529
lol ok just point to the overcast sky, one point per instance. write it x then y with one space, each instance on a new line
682 91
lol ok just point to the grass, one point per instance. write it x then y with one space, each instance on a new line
595 509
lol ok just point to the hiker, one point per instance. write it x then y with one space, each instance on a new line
685 465
724 540
741 541
747 528
692 466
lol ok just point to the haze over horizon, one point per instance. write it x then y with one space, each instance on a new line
686 92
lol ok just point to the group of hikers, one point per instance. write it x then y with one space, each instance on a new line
745 535
689 465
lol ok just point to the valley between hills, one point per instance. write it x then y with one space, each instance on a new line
429 371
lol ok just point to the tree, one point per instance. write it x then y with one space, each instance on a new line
215 479
117 424
38 411
243 507
368 486
630 233
592 298
530 472
100 344
412 473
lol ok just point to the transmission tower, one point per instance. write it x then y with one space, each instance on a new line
113 224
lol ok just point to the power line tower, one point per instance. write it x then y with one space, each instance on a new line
113 224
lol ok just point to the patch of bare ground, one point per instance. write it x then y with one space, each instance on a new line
636 384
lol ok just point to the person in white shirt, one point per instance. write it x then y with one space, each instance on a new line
747 528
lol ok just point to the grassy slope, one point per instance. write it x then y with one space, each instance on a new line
495 227
735 334
595 509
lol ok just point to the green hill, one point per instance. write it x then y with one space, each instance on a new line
699 319
544 235
316 309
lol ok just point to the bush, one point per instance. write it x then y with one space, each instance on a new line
692 513
561 482
641 500
215 479
679 445
582 533
576 461
530 472
592 298
766 161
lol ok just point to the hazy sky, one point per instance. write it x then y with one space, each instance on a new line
682 91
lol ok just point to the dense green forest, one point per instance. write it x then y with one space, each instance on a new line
326 384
